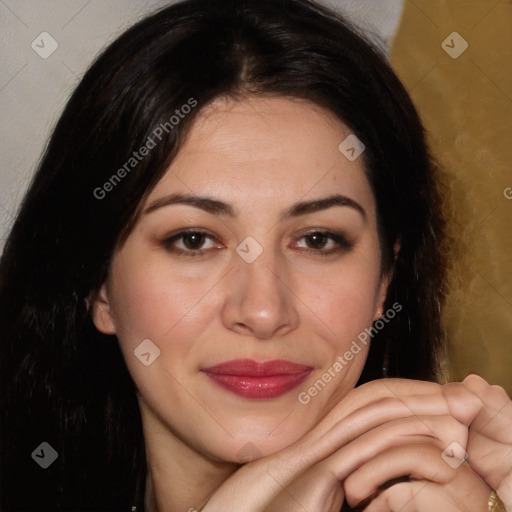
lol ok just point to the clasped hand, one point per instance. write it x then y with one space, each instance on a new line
389 445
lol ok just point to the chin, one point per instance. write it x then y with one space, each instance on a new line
259 440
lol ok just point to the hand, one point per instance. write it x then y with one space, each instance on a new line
488 413
405 452
431 416
399 466
490 437
257 484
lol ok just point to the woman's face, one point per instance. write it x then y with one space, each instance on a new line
281 263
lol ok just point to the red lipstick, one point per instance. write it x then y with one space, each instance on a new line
258 380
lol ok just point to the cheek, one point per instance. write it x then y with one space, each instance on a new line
347 299
154 301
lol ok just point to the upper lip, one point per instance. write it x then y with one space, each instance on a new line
251 368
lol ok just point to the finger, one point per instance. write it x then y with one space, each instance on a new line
418 461
481 388
496 412
490 450
375 414
462 402
403 497
463 493
441 431
418 496
372 392
490 436
419 397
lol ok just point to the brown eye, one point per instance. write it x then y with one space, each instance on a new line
191 243
316 240
323 243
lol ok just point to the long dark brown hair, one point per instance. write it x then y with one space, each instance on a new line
64 382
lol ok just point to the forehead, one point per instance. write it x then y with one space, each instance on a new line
266 149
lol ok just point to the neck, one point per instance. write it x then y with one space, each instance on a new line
180 477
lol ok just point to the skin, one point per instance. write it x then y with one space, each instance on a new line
382 430
260 156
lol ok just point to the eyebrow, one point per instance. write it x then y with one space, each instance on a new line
216 207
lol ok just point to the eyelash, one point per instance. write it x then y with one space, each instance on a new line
339 239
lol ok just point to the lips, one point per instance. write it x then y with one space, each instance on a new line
258 380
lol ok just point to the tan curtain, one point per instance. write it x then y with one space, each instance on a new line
455 58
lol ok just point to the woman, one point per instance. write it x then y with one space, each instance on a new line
223 287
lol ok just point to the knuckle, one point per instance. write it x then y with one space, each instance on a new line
353 493
462 397
401 494
499 393
457 427
474 378
450 428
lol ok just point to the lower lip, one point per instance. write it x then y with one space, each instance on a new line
259 388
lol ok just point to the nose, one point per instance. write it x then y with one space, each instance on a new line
260 302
